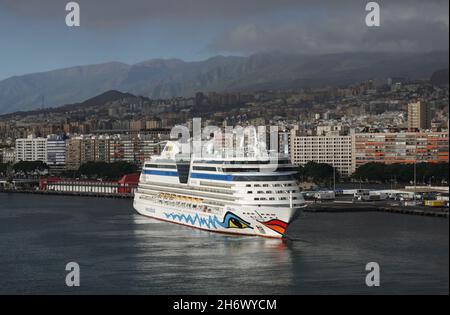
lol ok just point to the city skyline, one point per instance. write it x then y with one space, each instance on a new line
309 121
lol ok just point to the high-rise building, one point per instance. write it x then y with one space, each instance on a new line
101 149
56 153
31 149
85 149
419 116
333 150
73 154
133 149
284 142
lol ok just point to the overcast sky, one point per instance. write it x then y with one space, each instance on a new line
34 37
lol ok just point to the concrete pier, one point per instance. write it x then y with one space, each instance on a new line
331 206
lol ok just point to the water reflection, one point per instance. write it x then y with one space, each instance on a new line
200 258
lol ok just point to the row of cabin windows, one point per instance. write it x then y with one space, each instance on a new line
271 178
160 166
243 170
273 198
267 185
272 192
243 162
204 168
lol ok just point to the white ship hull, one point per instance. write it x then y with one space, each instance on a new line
249 195
230 220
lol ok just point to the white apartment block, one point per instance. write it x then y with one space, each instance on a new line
332 150
51 150
31 149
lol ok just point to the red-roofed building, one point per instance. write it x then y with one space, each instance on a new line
125 185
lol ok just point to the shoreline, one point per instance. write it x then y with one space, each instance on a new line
318 207
341 207
66 193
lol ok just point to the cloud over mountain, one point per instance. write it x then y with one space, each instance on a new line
249 26
414 27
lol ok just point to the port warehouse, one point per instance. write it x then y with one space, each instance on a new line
126 185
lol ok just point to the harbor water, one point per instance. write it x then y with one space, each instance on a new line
120 252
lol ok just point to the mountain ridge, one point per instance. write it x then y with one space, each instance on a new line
101 99
165 78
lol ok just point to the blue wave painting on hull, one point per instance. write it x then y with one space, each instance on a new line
211 221
230 220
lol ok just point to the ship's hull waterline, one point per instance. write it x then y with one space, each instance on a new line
229 221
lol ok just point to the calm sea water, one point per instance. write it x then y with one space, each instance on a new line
120 252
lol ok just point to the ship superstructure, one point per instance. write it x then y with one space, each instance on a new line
246 195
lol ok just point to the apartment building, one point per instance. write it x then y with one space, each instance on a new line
153 123
56 153
73 154
332 130
419 116
31 149
333 150
8 155
85 149
407 147
132 149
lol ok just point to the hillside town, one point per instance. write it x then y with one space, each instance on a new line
388 122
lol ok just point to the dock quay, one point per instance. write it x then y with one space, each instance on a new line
390 207
105 190
70 193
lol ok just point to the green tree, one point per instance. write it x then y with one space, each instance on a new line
103 170
320 173
3 168
30 166
371 172
403 173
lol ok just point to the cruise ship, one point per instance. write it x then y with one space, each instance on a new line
245 195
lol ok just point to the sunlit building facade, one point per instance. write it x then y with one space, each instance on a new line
407 147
